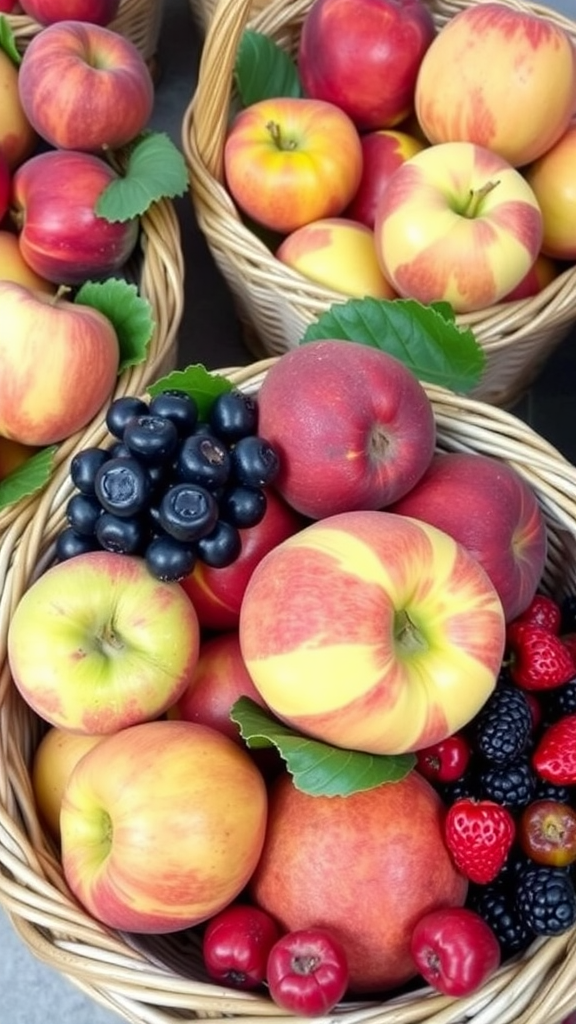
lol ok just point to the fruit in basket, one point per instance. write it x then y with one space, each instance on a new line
486 505
5 185
236 943
552 179
554 758
545 900
289 161
58 365
85 87
547 832
383 151
541 274
307 972
17 136
54 196
479 835
162 826
459 224
55 757
489 62
538 660
381 851
46 12
373 632
12 455
454 950
339 254
351 416
112 645
392 36
13 266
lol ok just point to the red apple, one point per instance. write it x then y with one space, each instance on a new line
46 12
55 757
488 66
383 152
541 273
366 867
455 950
290 161
86 87
488 507
54 195
17 136
353 427
13 266
217 593
5 185
58 365
364 55
372 631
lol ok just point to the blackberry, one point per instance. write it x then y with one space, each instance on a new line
511 785
466 786
502 728
568 614
546 900
551 791
559 702
496 905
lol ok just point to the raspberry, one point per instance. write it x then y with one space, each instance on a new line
503 726
495 903
546 900
511 785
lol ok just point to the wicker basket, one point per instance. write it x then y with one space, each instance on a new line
138 20
276 303
159 980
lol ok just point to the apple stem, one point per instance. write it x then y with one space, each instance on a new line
475 198
61 291
407 636
277 137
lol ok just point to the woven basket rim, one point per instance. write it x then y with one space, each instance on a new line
138 981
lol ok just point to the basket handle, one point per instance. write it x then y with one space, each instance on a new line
215 79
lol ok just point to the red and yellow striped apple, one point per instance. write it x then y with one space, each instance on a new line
46 12
113 646
353 427
339 254
552 180
17 136
58 365
365 866
162 825
13 266
364 56
372 631
55 757
486 505
541 274
382 153
85 87
54 197
289 161
459 224
501 77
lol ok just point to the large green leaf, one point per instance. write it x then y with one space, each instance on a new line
155 169
318 768
30 477
197 382
130 314
424 338
263 70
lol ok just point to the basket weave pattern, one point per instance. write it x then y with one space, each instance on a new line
160 980
275 302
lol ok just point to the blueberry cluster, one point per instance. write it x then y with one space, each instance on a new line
171 487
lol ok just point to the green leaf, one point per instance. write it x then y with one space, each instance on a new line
130 314
155 169
263 70
8 41
425 338
197 382
318 768
28 478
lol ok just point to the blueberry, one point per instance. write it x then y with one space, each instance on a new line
121 410
121 534
254 462
169 560
82 513
152 439
234 415
85 465
243 506
221 547
203 459
69 544
188 512
177 406
123 487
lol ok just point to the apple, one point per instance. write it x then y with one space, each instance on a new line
113 646
486 505
541 274
289 161
162 825
46 12
339 254
383 152
500 77
455 950
372 631
13 455
365 866
457 224
5 185
13 266
53 206
217 593
85 87
55 756
551 178
352 426
364 55
17 136
9 6
58 365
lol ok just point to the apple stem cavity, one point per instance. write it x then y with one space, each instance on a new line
475 198
306 963
278 138
110 642
407 636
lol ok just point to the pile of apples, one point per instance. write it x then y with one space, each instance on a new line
80 90
428 163
352 615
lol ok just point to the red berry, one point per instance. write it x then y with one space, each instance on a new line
554 758
236 945
307 972
445 761
479 834
538 660
542 611
455 950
